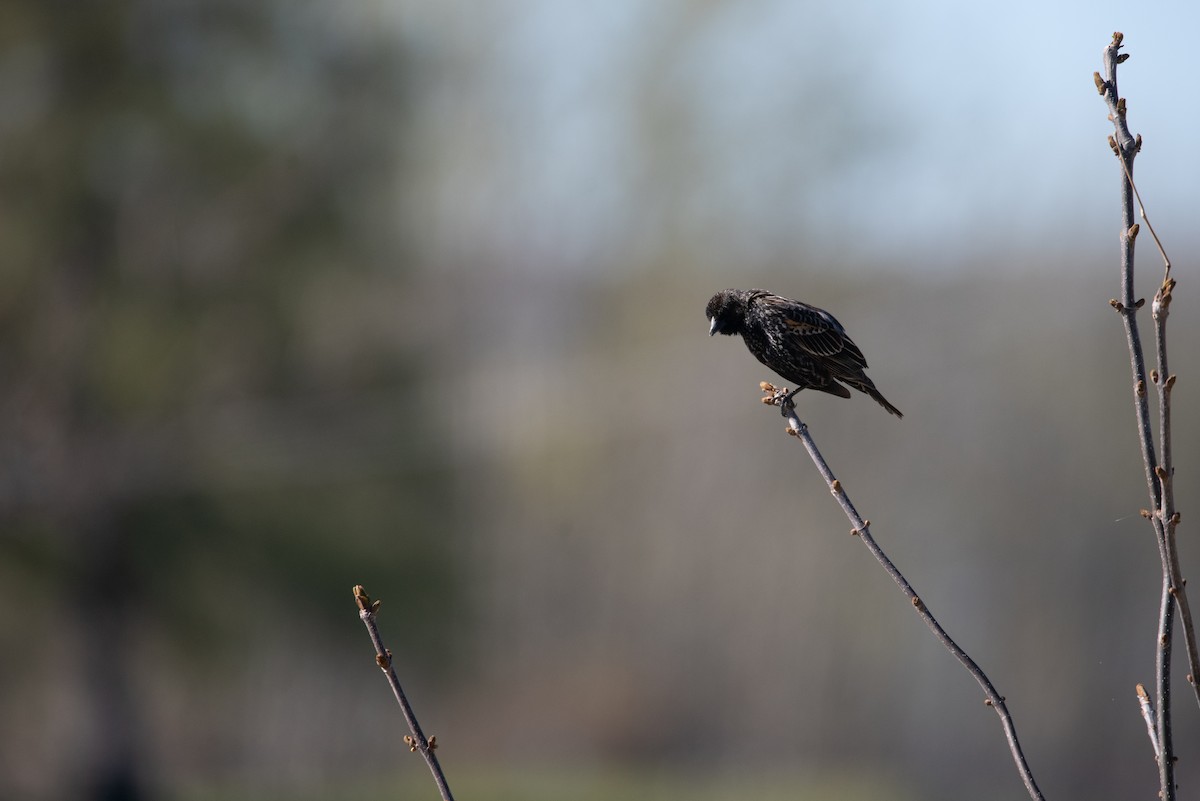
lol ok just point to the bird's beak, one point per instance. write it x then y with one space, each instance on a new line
712 326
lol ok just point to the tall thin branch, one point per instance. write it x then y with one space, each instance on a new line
367 610
1159 474
1126 147
862 528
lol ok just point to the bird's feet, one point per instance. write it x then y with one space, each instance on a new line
778 396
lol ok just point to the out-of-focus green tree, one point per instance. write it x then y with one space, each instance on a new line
207 409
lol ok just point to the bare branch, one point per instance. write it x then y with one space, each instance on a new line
1159 472
862 528
1126 148
367 610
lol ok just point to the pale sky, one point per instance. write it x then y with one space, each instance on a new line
935 129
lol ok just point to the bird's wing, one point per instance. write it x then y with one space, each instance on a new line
817 332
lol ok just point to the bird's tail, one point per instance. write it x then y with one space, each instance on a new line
878 396
866 385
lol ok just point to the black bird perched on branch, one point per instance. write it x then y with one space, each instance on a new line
803 344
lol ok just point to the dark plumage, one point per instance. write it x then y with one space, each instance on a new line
803 344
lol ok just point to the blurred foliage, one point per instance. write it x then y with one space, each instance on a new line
191 192
590 785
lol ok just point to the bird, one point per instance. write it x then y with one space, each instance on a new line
803 344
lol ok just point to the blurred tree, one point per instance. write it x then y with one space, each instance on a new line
206 405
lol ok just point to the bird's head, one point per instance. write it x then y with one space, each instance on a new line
726 312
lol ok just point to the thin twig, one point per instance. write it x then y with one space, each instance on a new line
1126 147
862 528
1125 165
367 610
1168 517
1147 707
1159 475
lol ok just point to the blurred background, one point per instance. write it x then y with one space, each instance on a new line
409 293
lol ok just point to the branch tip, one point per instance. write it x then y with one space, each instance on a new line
365 604
416 740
